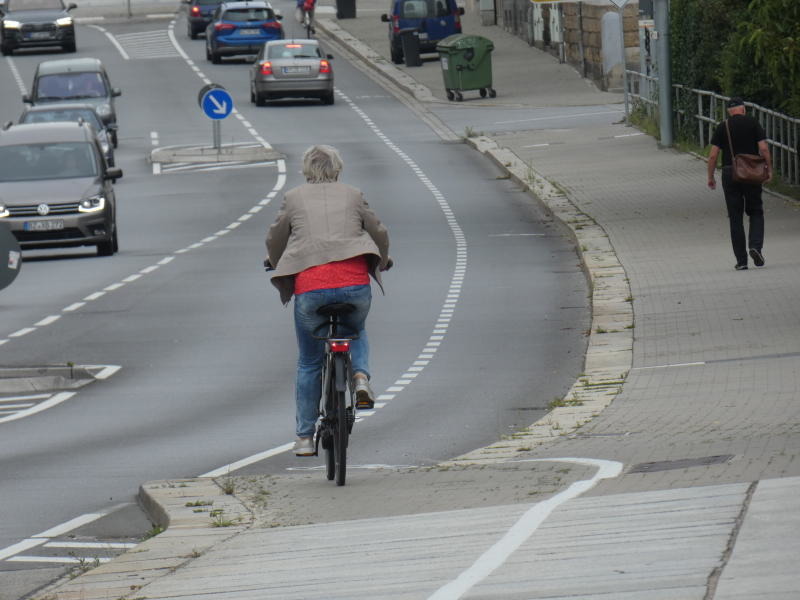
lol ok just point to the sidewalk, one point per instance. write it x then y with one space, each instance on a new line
687 412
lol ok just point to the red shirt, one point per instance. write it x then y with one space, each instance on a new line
338 274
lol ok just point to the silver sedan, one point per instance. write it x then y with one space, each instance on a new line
291 69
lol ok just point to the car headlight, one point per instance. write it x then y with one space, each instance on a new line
3 211
104 110
92 204
9 24
64 21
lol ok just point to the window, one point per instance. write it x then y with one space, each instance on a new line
71 85
294 51
48 116
241 15
34 5
63 160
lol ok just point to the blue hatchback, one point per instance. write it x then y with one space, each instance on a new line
434 20
241 28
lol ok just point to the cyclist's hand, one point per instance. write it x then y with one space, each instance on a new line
268 266
389 264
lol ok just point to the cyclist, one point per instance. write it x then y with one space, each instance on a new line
305 7
325 244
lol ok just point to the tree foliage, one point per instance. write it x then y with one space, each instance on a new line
748 48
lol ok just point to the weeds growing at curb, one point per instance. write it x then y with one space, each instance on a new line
218 519
228 486
199 503
83 566
154 531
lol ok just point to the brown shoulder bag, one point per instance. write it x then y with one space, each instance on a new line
747 168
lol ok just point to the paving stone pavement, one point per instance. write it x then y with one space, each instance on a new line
695 394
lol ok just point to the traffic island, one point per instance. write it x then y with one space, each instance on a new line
239 153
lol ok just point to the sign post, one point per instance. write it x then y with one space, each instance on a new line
10 257
217 104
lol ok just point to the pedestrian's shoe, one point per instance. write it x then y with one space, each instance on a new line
757 257
741 267
304 446
365 399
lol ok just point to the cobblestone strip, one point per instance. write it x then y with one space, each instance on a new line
199 515
610 351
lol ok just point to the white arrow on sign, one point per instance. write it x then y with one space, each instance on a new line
219 109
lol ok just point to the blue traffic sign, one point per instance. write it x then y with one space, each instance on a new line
215 101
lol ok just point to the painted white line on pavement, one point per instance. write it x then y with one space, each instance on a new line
113 40
68 526
525 526
53 401
554 117
19 547
249 461
74 306
21 332
58 559
30 397
94 545
48 320
689 364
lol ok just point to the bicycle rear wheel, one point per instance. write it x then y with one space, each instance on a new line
340 430
329 389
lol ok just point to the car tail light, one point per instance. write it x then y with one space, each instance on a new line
324 66
457 18
271 25
395 24
266 68
195 11
224 26
339 346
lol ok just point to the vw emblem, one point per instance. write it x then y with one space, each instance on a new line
43 209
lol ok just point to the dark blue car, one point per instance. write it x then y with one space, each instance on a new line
241 28
433 19
198 15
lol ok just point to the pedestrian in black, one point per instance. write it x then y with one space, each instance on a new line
747 137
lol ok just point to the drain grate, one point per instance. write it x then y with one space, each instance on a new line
683 463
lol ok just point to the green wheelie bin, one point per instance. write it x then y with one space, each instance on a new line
466 65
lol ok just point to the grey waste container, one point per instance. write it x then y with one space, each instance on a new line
345 9
409 41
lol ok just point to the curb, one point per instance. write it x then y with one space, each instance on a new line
188 507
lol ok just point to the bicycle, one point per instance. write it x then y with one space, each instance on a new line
306 17
337 406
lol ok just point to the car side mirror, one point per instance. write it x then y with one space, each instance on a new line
71 5
26 99
461 10
113 173
385 18
116 92
279 16
329 56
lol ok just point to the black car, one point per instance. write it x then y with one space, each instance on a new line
36 23
198 15
82 80
55 187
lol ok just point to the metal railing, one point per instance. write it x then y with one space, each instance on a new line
783 131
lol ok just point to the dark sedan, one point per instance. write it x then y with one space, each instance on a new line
35 23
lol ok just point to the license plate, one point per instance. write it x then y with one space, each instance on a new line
44 225
296 70
248 32
39 35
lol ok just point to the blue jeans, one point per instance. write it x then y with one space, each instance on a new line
308 387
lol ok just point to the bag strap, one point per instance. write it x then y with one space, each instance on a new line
730 142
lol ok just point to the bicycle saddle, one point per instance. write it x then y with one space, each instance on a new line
337 308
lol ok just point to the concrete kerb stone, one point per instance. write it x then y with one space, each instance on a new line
197 515
21 380
209 154
609 354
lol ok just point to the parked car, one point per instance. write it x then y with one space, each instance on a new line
434 20
76 80
46 113
36 23
241 28
55 187
198 15
291 68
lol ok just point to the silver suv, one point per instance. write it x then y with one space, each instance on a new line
55 187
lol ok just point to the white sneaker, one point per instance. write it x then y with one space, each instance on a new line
365 399
304 447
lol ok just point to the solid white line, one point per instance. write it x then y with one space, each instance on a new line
68 526
591 114
8 407
690 364
19 547
57 399
18 398
95 545
113 41
57 559
525 526
248 461
106 372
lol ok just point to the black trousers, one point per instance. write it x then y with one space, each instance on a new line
741 199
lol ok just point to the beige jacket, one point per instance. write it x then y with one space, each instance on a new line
320 223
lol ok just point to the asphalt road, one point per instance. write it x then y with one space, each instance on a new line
483 319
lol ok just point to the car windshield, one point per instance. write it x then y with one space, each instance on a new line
294 51
238 15
34 5
33 162
423 9
64 86
207 2
69 114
